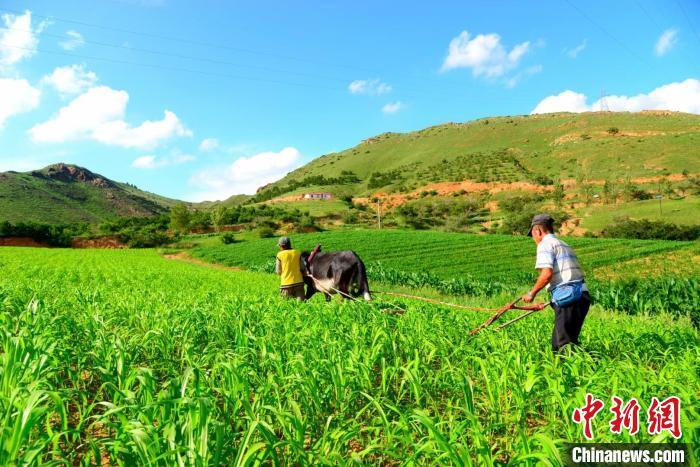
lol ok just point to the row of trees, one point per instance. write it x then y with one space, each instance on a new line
613 191
183 220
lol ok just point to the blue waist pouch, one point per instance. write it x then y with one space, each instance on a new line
566 294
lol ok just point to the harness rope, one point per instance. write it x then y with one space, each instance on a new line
498 311
438 302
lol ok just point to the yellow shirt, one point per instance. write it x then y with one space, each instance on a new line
290 267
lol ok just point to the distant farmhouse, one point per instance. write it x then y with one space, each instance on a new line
317 196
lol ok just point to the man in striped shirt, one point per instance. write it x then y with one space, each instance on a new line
560 272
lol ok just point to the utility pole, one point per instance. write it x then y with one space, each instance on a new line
379 212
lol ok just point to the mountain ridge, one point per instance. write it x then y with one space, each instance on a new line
67 193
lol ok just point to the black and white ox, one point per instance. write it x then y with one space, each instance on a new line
336 272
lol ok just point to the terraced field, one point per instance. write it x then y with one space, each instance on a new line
127 358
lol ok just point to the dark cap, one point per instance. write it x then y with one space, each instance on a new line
541 219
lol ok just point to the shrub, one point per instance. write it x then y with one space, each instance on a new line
646 229
518 223
228 237
146 238
613 130
543 180
349 217
266 232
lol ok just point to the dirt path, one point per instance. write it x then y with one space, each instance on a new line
186 258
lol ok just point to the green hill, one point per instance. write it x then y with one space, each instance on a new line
538 149
63 193
608 164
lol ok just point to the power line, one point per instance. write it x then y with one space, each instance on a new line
186 57
170 68
186 41
201 59
690 23
644 10
226 75
611 36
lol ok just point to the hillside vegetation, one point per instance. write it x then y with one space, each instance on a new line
63 193
588 168
534 148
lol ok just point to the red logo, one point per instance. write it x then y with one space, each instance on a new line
665 416
626 417
661 416
587 413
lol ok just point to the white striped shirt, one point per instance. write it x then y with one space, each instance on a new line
556 255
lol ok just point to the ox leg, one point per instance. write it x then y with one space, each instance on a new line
328 296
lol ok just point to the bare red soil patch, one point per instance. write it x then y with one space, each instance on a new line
22 241
186 258
103 242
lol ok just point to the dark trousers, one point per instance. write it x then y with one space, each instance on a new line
568 321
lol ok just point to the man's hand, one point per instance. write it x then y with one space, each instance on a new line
542 280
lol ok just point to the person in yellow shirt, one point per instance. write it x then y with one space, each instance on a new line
288 266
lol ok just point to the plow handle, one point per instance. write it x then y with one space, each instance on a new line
495 316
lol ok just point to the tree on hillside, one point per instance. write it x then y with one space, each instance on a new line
609 192
218 217
628 189
666 188
558 194
180 217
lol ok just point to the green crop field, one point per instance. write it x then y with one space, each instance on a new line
498 265
126 357
448 255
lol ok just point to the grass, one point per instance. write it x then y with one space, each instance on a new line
677 211
317 208
125 357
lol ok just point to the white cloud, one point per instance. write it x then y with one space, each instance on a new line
567 101
682 96
16 96
17 39
98 114
82 116
484 54
145 136
573 53
74 40
373 87
154 162
146 162
245 175
209 144
392 107
666 41
71 79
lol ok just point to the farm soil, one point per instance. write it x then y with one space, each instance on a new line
186 258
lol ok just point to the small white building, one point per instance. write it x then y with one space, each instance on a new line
318 196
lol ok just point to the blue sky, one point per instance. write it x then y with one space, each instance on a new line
201 100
